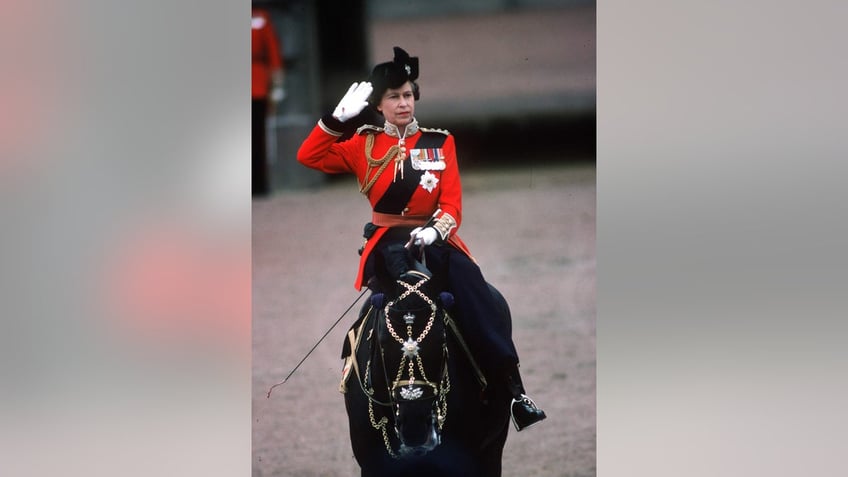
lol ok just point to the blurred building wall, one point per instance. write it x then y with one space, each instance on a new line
492 61
487 67
381 9
513 80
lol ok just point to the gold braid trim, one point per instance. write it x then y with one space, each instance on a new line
436 130
372 163
327 129
444 225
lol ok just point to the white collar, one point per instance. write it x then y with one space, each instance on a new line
394 131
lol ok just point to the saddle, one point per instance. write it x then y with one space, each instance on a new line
353 341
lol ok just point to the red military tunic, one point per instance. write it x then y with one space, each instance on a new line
439 186
265 52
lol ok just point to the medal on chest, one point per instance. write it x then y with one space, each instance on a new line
427 159
412 167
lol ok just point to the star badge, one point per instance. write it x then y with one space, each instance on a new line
429 181
410 348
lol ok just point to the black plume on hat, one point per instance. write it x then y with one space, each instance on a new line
393 74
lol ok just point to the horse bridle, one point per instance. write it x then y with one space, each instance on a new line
409 362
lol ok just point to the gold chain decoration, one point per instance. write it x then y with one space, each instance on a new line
383 162
444 388
410 289
443 400
380 426
410 346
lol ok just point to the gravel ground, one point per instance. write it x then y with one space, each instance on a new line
532 231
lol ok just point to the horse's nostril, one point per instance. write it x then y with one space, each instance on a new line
416 440
418 451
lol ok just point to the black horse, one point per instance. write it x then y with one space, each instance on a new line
417 402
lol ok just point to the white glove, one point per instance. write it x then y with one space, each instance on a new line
424 236
354 101
278 93
277 90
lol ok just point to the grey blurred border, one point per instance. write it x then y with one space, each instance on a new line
721 232
131 124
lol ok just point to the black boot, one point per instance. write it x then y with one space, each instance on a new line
523 410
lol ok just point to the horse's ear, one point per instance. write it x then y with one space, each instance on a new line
378 300
446 298
420 268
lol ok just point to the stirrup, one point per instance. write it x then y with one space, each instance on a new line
527 420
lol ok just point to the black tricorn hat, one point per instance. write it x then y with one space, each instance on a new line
393 74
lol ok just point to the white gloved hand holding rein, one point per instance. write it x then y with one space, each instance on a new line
425 236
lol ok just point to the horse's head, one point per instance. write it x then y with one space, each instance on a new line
412 338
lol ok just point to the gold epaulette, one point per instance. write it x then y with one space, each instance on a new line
436 130
368 127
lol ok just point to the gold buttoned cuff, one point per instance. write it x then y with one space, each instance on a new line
444 225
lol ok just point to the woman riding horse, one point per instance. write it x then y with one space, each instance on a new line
410 176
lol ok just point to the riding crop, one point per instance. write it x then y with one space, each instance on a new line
316 344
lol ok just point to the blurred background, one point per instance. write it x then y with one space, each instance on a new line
510 78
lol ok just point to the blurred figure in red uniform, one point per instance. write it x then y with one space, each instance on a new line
267 74
410 175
